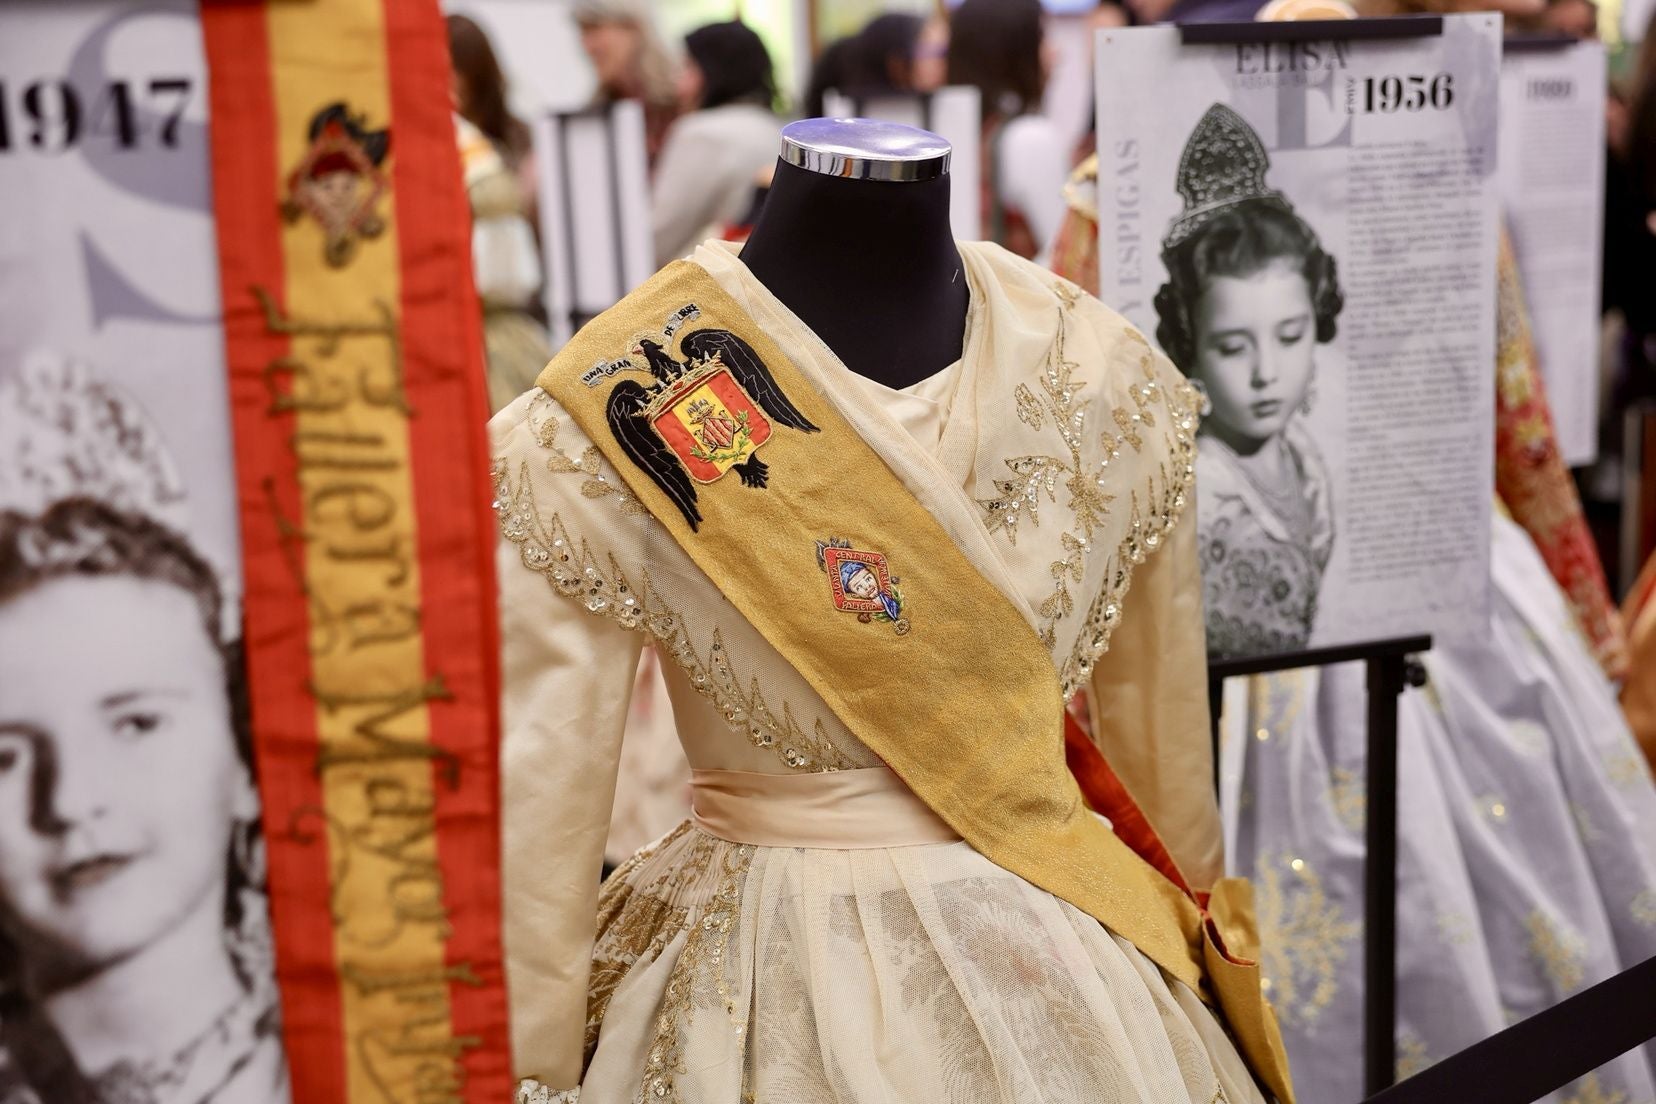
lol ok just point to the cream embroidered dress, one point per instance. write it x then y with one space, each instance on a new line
815 932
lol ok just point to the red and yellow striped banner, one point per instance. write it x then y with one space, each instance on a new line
357 390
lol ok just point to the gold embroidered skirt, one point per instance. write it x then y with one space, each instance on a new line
729 971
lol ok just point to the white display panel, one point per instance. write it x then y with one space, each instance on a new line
1345 473
135 949
594 212
1552 194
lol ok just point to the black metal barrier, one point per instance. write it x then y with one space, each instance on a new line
1391 666
1544 1052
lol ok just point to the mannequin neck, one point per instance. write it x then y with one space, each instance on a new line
870 266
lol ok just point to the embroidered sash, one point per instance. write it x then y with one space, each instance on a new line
817 543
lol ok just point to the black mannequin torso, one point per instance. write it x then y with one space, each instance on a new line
870 265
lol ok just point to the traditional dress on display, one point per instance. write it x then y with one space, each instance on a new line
872 606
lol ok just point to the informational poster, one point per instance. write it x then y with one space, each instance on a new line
135 942
1307 228
1552 196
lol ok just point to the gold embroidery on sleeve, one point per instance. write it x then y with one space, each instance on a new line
1155 508
1153 515
543 425
546 547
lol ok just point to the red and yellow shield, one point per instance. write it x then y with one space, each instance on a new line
711 425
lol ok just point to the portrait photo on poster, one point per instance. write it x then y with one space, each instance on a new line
1306 229
1249 297
136 960
136 955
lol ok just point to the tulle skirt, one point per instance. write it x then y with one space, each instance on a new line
729 972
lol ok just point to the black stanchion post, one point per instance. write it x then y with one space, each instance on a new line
1388 674
1216 704
1385 682
1391 666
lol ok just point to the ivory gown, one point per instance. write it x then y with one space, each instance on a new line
866 958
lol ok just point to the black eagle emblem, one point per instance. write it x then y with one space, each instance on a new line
714 432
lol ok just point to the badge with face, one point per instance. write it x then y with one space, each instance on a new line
859 582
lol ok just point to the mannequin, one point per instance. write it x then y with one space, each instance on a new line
855 239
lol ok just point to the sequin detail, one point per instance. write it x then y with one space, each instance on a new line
1304 937
1155 507
530 1091
547 548
700 967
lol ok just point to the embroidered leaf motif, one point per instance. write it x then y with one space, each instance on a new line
544 426
1029 411
1020 496
1165 492
1129 424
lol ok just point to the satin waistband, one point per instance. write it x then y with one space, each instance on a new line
835 810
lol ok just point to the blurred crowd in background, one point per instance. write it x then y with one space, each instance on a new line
713 103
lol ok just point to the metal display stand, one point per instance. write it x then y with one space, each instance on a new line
1392 666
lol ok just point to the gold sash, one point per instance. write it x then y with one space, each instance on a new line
957 694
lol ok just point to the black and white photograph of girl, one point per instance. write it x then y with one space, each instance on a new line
136 963
1251 297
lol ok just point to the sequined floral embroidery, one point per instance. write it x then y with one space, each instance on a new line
1304 937
1558 950
1590 1090
636 923
545 546
1153 508
701 966
530 1091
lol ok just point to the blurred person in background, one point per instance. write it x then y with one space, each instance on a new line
629 62
930 69
998 47
879 60
1630 226
479 89
495 162
1629 261
705 176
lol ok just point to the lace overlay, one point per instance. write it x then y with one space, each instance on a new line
914 973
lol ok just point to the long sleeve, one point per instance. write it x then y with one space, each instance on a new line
1150 706
566 680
